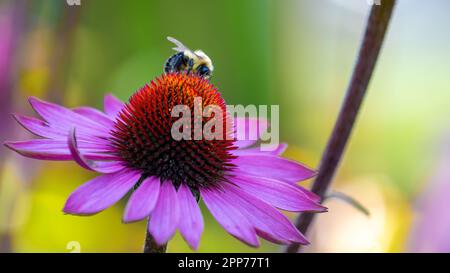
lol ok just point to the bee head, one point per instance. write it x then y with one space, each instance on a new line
203 64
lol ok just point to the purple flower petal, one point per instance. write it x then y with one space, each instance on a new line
107 166
49 149
314 197
112 105
249 130
264 217
191 222
143 200
164 218
62 118
277 150
39 127
277 193
271 238
229 216
100 167
43 129
273 167
95 115
100 193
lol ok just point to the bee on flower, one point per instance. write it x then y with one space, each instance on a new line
129 145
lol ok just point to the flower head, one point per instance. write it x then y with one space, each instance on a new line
131 147
142 135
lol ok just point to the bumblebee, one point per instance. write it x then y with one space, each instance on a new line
188 61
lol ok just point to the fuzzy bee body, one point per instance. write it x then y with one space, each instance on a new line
188 61
178 62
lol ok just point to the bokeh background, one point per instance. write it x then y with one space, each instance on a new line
297 54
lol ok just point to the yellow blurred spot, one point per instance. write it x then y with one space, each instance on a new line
345 229
34 82
14 197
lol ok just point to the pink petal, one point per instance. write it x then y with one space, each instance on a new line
60 117
95 115
191 222
229 216
314 197
249 130
254 151
49 149
43 129
112 105
265 218
39 127
271 238
273 167
164 219
143 200
277 150
277 193
100 192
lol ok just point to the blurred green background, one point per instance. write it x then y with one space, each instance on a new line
297 54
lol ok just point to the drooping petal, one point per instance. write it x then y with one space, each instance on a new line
164 218
95 115
112 105
100 193
191 220
264 217
100 167
275 150
273 167
143 200
106 166
277 193
229 216
249 130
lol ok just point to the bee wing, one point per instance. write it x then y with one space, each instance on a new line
179 45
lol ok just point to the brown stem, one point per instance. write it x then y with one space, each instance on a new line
151 246
370 48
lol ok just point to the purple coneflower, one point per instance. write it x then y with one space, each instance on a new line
131 147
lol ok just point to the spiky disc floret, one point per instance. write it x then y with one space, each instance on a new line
142 133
